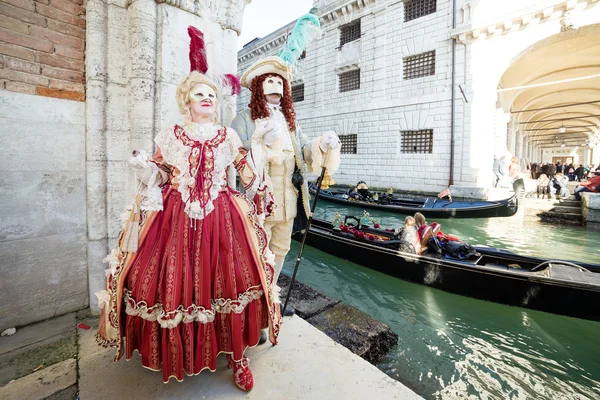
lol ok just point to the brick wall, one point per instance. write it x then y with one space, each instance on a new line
42 45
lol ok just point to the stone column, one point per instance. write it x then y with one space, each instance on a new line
142 55
518 145
511 140
96 11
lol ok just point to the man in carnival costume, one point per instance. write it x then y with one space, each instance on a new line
191 276
277 146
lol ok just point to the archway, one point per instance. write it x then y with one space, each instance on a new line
552 93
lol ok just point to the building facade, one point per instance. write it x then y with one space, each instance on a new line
424 93
82 84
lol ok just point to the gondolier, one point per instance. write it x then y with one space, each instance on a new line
278 147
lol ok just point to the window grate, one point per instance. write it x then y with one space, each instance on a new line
419 65
420 141
298 93
350 81
349 32
349 144
414 9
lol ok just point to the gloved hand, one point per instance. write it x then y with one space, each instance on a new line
268 131
141 167
330 141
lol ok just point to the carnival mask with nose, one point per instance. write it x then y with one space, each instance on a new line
273 85
203 92
203 99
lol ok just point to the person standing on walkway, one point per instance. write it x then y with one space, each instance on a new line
499 169
191 276
559 167
580 172
281 153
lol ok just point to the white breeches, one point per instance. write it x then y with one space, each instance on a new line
279 235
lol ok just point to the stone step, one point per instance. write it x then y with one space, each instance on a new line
41 344
571 203
42 384
566 210
561 218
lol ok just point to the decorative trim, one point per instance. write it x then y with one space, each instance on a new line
466 33
265 48
346 68
227 13
345 12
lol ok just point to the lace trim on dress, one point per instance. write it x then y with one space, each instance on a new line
214 146
193 313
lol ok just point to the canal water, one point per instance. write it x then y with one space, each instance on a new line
451 346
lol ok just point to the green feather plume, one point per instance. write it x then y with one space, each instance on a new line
307 29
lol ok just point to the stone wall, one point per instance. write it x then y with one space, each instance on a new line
42 45
43 269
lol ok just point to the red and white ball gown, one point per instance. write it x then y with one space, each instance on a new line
201 280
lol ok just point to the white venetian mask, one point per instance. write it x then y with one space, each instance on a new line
273 85
202 92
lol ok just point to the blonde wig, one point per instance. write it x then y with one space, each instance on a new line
184 89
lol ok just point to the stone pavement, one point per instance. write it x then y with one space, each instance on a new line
306 364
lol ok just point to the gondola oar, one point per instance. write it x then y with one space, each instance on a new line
310 217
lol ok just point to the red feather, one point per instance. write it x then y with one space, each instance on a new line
198 60
235 83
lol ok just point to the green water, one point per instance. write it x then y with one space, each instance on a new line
452 346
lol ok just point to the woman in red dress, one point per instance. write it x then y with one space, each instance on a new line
199 280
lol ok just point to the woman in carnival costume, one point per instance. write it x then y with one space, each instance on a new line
192 276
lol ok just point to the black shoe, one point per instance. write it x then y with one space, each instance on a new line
263 337
288 312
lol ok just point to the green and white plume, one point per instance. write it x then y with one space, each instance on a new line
307 29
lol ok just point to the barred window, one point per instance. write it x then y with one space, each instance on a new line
420 141
349 32
419 65
298 92
350 81
414 9
349 144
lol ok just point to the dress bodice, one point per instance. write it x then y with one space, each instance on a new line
200 156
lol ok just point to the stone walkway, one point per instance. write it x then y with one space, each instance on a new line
307 364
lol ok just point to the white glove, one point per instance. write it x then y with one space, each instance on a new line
329 141
141 167
268 131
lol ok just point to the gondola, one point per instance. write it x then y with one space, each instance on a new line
430 207
555 286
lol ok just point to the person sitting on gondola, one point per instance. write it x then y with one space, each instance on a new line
409 233
361 192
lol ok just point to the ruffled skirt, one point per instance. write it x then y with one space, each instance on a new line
193 289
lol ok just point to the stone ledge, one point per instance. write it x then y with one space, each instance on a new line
362 334
306 301
590 200
42 384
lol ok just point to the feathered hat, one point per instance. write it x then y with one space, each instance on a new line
199 62
307 29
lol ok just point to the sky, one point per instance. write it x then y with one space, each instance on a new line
262 17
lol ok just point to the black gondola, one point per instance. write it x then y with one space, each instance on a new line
430 207
559 287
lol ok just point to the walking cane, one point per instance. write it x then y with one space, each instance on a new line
310 217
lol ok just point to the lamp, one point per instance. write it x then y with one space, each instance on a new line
562 128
